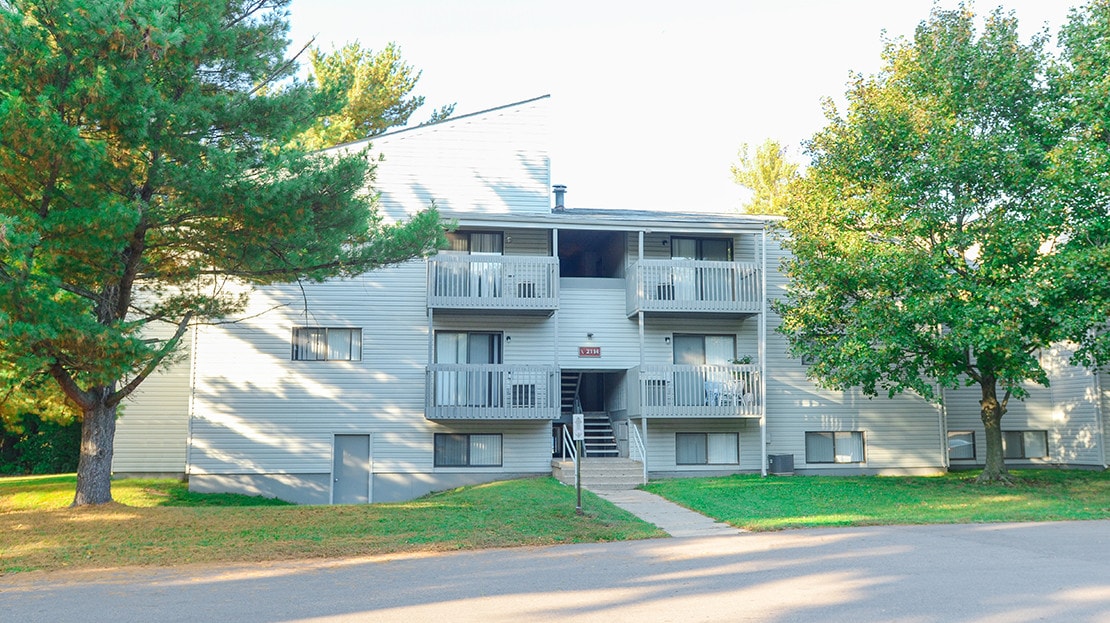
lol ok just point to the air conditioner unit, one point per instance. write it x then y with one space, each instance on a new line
780 464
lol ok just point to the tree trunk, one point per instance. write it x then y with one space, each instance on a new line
94 467
990 411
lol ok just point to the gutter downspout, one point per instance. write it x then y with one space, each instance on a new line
191 409
555 314
555 342
1101 415
429 378
640 321
431 324
942 409
763 354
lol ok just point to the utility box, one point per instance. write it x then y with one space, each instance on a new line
780 464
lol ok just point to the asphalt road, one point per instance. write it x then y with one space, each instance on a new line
986 573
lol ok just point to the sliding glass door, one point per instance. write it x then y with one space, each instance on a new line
479 386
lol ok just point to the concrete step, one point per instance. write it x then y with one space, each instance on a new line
601 473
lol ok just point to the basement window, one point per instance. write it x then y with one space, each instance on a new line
467 450
1025 444
706 448
834 447
961 445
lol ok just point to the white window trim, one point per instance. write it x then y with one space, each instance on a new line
320 337
836 456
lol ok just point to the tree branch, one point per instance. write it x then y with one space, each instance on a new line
85 400
153 364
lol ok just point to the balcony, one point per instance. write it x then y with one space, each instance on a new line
694 287
493 283
711 391
491 392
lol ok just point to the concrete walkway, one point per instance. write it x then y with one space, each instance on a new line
668 516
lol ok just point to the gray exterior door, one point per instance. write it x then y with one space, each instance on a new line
351 470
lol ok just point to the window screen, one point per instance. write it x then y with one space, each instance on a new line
707 449
834 447
1025 444
327 344
961 445
467 450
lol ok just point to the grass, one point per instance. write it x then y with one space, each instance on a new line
159 522
775 503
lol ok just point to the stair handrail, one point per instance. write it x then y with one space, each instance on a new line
636 448
569 443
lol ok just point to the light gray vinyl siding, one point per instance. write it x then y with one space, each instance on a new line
596 306
257 411
494 162
518 241
900 434
152 432
1103 397
747 248
661 443
525 447
1075 436
657 245
527 242
657 331
654 249
1068 410
525 339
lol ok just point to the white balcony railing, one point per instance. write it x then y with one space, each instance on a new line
694 286
697 391
491 392
509 282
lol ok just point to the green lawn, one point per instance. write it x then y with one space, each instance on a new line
159 522
777 502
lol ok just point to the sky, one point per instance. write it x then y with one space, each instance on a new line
650 100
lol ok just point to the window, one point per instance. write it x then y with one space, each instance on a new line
471 377
961 445
480 275
707 448
834 447
464 347
1025 444
461 450
696 386
327 344
709 249
704 282
476 243
700 350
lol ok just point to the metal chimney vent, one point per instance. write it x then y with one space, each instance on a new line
560 193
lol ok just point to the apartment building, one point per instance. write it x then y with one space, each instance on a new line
466 367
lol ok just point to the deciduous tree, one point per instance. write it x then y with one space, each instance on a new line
924 234
767 174
141 168
1081 170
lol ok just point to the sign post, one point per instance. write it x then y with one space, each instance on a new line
578 433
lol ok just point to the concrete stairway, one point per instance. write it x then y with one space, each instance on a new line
600 441
606 474
569 382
